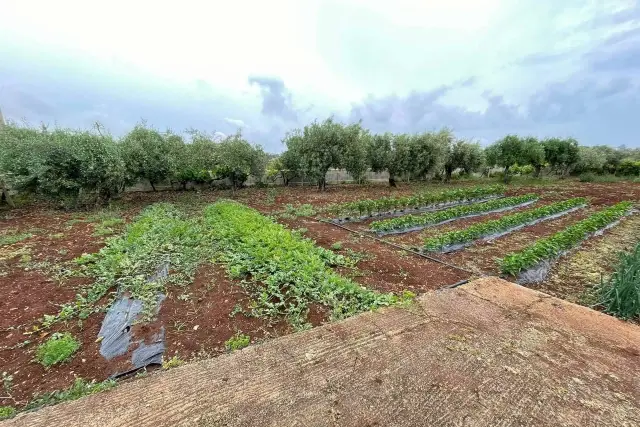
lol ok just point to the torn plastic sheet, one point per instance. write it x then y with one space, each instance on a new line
407 211
422 227
116 334
490 237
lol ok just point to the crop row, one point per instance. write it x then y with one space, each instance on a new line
285 271
431 218
389 204
476 231
566 239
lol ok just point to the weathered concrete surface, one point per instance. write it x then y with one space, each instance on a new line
489 353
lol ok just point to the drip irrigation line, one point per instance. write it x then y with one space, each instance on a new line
404 248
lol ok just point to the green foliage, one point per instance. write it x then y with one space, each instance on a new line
431 218
561 154
71 166
336 246
57 349
174 362
147 154
80 388
161 233
285 272
629 167
354 156
482 229
533 154
10 239
620 295
463 155
7 412
237 342
237 159
591 159
428 152
420 200
564 240
291 211
380 152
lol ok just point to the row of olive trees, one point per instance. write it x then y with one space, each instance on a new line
320 146
560 156
88 166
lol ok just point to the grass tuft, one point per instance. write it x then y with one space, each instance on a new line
620 295
57 349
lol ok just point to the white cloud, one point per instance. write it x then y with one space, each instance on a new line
236 122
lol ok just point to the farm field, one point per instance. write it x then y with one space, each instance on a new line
235 276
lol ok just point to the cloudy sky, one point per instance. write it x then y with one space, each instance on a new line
483 68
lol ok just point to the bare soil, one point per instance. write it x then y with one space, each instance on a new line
33 281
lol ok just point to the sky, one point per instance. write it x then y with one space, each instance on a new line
483 68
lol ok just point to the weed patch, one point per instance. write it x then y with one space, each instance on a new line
11 239
57 349
237 342
79 389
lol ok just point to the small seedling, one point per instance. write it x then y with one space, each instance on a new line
336 246
7 412
174 362
237 342
57 349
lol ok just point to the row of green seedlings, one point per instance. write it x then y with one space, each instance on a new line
458 239
283 271
620 294
390 206
550 248
408 223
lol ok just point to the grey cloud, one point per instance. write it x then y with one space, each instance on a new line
276 98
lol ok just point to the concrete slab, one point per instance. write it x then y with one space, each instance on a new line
489 353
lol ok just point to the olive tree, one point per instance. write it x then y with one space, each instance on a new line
380 154
428 152
147 155
533 154
354 151
506 153
237 159
463 155
562 154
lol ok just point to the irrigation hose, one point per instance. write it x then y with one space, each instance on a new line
404 248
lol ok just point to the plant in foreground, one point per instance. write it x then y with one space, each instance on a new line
620 295
564 240
7 412
57 349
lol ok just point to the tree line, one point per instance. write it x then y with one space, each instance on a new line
320 146
81 167
91 165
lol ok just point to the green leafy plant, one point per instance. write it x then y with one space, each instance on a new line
420 200
620 295
476 231
432 218
564 240
7 412
284 271
336 246
237 342
174 362
57 349
80 388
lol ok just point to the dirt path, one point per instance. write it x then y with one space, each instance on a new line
489 353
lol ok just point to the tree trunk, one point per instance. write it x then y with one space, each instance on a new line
448 172
392 181
538 171
153 186
506 175
5 195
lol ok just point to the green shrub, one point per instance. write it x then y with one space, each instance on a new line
564 240
237 342
620 295
57 349
482 229
431 218
588 177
